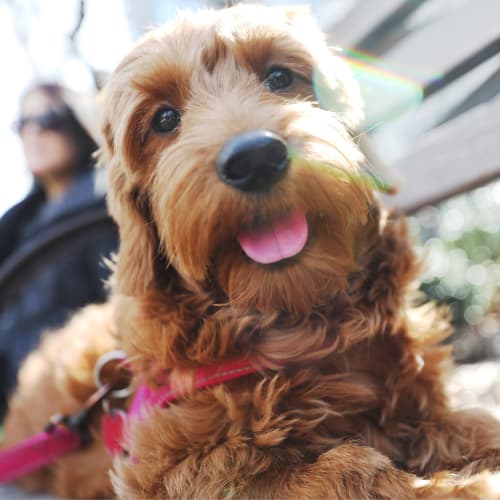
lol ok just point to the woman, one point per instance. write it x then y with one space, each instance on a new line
53 242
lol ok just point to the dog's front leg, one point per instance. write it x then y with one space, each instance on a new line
345 472
483 451
464 441
355 472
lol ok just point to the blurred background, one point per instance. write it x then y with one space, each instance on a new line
430 75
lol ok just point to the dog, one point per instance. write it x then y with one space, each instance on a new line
250 227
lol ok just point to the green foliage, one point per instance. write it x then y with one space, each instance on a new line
460 242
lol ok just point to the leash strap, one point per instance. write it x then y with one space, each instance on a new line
36 452
62 435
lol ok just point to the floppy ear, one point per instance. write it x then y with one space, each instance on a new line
138 251
388 268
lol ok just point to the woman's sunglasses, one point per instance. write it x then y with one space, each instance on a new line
51 120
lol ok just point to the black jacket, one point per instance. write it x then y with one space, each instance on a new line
51 264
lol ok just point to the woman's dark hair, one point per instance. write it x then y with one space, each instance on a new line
82 141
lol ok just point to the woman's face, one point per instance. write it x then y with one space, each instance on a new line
49 152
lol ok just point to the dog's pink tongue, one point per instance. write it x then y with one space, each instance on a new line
283 239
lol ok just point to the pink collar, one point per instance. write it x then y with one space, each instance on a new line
145 397
205 376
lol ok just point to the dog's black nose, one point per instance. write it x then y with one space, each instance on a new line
253 161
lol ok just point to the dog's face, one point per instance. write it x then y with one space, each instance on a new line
222 160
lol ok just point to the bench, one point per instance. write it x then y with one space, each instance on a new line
448 141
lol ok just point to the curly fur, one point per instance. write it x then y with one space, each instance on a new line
349 401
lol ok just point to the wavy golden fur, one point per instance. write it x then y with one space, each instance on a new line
349 401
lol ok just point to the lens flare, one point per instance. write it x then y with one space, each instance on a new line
367 177
386 94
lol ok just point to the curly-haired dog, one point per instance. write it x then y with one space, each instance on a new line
249 228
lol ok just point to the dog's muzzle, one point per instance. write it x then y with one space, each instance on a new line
253 161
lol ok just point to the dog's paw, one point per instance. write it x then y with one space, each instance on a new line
489 461
363 472
447 485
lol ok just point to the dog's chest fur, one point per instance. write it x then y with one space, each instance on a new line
367 395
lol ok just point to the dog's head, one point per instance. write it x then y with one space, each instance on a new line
224 166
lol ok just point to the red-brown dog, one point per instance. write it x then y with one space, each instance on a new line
249 228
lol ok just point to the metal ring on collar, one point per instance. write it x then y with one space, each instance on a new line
106 358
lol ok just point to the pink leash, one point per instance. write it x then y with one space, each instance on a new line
62 435
68 434
36 452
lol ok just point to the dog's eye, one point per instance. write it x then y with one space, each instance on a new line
166 120
278 79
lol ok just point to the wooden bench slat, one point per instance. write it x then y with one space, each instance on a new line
363 20
395 138
488 90
442 46
455 157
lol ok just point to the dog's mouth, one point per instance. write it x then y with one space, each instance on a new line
282 238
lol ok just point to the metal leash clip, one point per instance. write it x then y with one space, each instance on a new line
80 422
114 419
115 393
